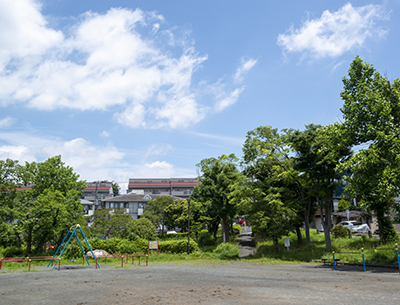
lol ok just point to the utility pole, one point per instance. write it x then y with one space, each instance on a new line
188 201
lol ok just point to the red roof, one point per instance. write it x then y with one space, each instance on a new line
99 188
173 184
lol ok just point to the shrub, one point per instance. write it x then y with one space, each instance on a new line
227 251
12 251
177 246
206 239
236 229
340 231
142 228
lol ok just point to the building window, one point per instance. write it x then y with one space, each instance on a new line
111 205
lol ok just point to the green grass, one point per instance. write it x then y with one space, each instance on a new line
346 249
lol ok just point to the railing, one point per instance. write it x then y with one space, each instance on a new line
28 260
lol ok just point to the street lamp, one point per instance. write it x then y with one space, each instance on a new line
188 201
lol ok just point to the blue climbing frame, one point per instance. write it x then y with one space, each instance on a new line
72 230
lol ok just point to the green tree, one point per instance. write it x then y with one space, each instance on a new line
141 228
218 178
11 176
155 211
109 223
273 188
371 113
319 151
44 212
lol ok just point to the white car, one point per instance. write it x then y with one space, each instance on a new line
355 226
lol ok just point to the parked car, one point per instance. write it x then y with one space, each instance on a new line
355 226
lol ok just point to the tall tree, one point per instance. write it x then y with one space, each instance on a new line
319 151
45 211
269 166
371 113
155 211
218 178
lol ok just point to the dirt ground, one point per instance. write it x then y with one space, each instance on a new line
199 283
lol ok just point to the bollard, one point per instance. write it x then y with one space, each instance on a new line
147 260
122 261
83 261
334 262
397 253
1 262
59 264
362 252
105 260
139 261
29 269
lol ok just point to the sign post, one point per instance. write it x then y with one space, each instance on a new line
287 243
153 245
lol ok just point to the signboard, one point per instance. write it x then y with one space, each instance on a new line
287 243
153 245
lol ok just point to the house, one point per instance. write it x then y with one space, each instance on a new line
177 187
97 191
132 203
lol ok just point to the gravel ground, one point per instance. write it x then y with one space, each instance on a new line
198 283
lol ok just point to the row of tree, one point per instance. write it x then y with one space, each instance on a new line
286 176
283 178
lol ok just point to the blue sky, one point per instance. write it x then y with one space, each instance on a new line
130 89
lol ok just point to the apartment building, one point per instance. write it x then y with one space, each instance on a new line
177 187
97 190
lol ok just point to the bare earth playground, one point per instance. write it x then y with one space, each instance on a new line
201 283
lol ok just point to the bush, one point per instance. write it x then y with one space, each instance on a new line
12 251
236 229
227 251
340 231
142 228
206 239
177 246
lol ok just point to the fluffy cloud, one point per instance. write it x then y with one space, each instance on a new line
335 32
158 169
117 60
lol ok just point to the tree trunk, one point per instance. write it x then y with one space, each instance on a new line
326 222
307 223
299 236
275 239
225 229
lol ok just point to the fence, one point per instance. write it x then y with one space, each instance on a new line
28 260
336 260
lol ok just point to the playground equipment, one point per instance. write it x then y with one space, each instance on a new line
72 230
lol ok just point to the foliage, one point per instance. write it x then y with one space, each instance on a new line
219 176
206 239
340 231
141 228
237 229
155 211
109 223
371 113
177 246
47 206
227 251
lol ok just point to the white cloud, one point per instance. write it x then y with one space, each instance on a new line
244 68
335 32
7 121
105 61
160 169
104 134
228 99
20 153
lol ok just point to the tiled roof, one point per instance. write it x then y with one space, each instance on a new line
173 184
99 188
135 197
